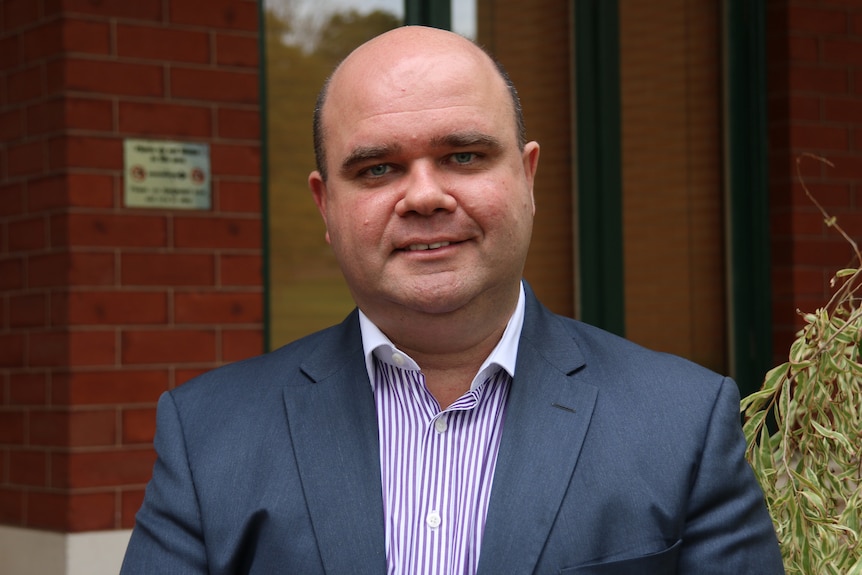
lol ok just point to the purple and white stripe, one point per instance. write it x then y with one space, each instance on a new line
437 468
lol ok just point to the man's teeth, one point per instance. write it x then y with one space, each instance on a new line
419 247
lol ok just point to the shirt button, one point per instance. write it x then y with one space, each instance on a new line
440 424
433 520
398 359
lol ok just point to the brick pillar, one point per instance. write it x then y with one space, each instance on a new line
104 307
814 53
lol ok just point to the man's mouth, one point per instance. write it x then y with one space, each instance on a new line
422 247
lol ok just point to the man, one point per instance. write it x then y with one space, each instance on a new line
451 424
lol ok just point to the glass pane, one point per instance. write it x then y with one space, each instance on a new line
304 40
670 72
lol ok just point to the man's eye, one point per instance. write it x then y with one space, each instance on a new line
463 157
378 170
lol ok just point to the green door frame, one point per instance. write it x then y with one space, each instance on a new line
599 186
599 165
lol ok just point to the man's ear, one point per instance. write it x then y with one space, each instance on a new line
530 158
318 191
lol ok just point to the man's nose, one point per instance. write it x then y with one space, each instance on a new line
427 190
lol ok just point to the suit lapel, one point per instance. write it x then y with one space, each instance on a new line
547 417
333 428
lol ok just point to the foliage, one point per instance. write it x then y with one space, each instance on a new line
804 432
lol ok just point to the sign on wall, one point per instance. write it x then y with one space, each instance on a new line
164 174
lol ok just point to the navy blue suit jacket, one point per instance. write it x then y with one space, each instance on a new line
613 460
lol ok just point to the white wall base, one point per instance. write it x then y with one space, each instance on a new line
32 552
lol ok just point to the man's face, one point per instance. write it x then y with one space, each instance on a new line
429 201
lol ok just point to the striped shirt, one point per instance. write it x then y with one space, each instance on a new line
437 466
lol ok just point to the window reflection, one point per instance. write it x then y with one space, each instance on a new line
304 41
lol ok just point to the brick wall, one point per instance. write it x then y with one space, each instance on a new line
814 56
103 307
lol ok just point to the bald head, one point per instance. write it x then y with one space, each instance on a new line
407 49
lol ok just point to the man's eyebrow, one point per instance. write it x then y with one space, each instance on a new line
363 154
467 140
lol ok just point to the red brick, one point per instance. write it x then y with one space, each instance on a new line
847 167
28 234
243 196
71 512
843 51
115 308
28 468
48 193
235 160
236 233
106 77
92 348
11 202
90 190
240 270
109 230
139 425
208 85
161 119
91 511
25 85
242 50
240 344
218 308
816 19
86 36
11 125
168 346
41 41
131 502
28 310
804 49
28 389
89 114
45 117
46 510
231 14
160 269
113 387
162 44
12 352
19 13
76 348
75 269
103 469
825 81
845 110
12 427
12 506
47 349
11 276
10 53
26 159
137 10
91 428
239 123
86 152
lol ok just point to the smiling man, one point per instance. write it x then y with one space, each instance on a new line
451 424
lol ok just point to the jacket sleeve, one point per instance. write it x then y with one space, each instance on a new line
168 537
728 528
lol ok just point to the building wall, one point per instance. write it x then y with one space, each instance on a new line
103 307
814 59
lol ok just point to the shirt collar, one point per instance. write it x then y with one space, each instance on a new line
503 356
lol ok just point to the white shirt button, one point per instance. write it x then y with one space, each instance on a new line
440 424
433 520
398 359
